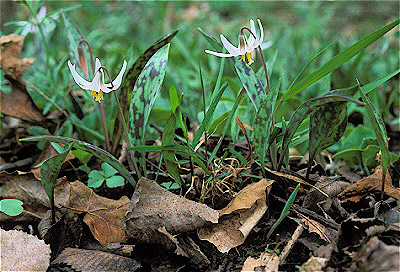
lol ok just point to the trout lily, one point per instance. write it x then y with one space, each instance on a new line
246 45
97 86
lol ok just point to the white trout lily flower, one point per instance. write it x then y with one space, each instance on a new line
97 86
246 45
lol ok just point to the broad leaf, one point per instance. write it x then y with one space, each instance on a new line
132 75
144 94
337 61
94 150
301 113
251 83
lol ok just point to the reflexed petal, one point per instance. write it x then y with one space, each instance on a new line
231 49
251 39
260 40
117 81
84 84
219 54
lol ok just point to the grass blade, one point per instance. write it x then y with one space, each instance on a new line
337 61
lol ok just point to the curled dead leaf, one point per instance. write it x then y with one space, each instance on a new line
238 218
267 262
104 216
153 207
371 183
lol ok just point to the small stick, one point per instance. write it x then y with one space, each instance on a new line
296 235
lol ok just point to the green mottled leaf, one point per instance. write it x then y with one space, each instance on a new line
49 173
11 207
132 75
380 132
251 83
94 150
263 124
301 113
327 125
145 92
337 61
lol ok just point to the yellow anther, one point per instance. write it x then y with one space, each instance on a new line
101 95
249 58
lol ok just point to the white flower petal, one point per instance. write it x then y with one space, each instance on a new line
118 79
260 40
251 38
219 54
231 49
84 84
97 65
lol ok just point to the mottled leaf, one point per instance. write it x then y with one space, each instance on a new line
144 94
263 124
305 109
380 132
94 150
50 170
251 83
132 75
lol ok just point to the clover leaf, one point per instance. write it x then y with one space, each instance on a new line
107 174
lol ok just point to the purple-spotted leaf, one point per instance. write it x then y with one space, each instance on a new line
305 109
130 78
144 94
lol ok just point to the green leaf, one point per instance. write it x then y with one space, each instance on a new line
263 124
108 170
96 179
80 124
327 125
11 207
305 109
337 61
115 181
83 156
211 40
380 132
169 156
209 115
94 150
49 173
132 75
374 84
251 83
144 94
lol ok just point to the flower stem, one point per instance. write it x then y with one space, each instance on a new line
132 161
105 129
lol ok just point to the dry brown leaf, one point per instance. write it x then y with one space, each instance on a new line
104 216
153 207
10 59
21 251
93 260
314 264
248 206
267 262
314 226
371 183
18 103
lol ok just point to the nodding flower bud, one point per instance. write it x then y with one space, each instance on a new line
82 60
242 43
